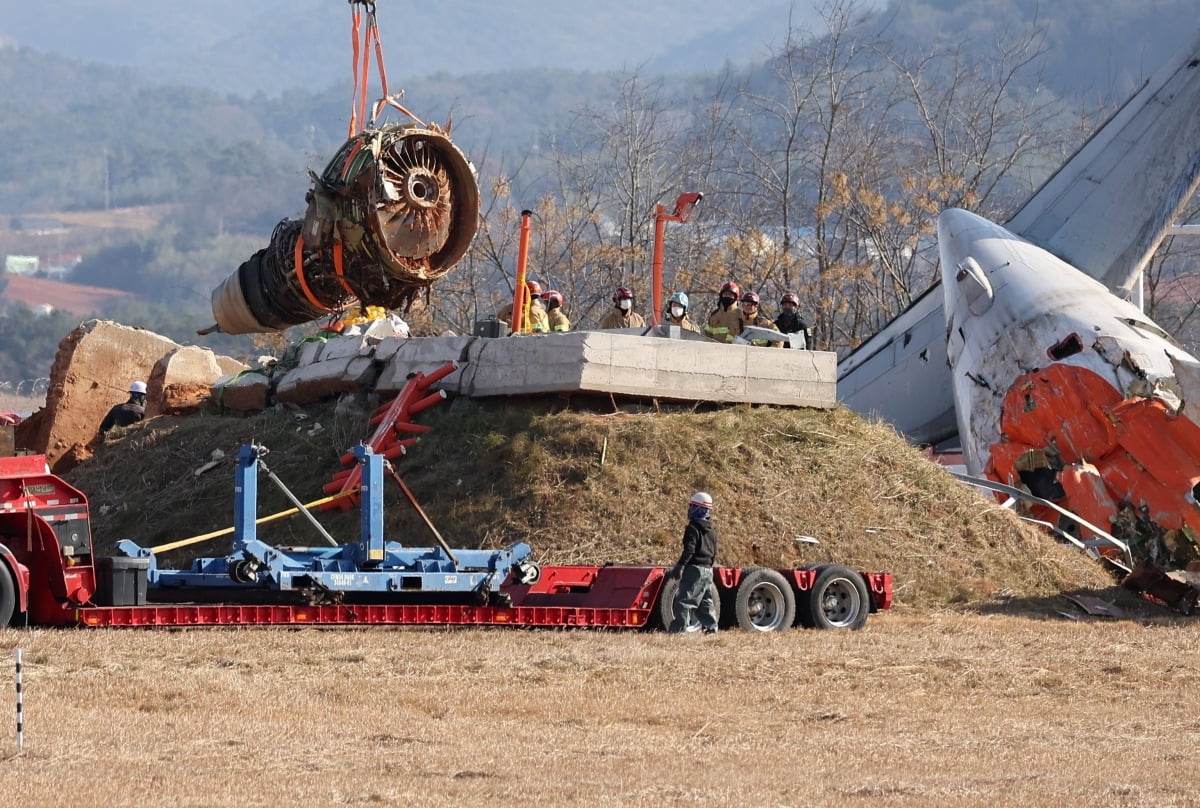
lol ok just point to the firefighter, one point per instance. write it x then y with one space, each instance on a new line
694 569
536 313
128 413
752 315
789 320
622 314
725 323
677 306
554 314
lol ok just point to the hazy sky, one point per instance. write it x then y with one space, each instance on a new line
270 44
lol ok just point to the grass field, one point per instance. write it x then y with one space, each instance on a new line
920 708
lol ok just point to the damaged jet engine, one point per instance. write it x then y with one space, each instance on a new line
393 211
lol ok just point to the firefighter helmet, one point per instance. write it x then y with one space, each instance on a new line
730 286
750 297
679 297
553 299
790 297
534 288
622 293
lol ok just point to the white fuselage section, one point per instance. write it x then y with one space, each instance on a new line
1012 307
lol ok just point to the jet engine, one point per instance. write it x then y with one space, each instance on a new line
392 212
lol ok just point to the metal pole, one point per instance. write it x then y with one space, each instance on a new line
656 279
20 707
521 301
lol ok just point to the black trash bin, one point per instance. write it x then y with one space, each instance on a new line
121 581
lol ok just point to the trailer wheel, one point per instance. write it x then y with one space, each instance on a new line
8 596
664 609
838 599
764 601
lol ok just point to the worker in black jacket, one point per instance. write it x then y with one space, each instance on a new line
695 570
128 413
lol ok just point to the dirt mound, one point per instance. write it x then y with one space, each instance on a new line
582 487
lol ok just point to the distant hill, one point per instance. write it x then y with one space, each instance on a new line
1102 47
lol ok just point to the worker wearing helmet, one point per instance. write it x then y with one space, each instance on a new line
554 314
725 323
535 313
694 606
128 413
789 320
676 314
752 315
622 314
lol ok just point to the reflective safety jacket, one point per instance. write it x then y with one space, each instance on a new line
539 323
621 319
764 322
683 322
558 320
724 324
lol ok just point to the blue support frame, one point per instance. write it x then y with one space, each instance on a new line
371 564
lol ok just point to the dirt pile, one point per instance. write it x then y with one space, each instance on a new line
582 487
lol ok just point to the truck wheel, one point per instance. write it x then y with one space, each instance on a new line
764 602
838 599
8 596
664 609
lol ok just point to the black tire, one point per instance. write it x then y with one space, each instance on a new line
764 601
664 609
8 595
838 599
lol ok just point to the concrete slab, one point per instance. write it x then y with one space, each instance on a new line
181 381
322 380
425 355
621 363
230 365
247 392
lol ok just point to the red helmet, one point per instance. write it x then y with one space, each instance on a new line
750 297
622 293
730 286
553 298
534 288
790 297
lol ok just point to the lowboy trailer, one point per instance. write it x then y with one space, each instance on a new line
49 575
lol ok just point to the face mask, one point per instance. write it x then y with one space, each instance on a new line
677 312
726 302
625 304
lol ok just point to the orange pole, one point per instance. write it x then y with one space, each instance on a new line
656 282
520 293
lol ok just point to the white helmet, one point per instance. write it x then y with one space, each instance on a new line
138 387
701 499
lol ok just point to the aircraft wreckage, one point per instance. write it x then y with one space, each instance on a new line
393 211
1056 384
1066 389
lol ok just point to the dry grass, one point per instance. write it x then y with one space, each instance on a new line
931 708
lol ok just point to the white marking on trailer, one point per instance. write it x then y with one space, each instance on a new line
450 579
344 579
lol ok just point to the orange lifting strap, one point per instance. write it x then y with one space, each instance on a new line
360 69
300 276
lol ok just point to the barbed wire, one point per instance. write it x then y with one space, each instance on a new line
26 387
